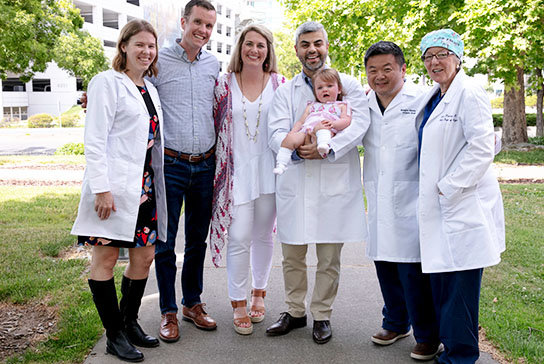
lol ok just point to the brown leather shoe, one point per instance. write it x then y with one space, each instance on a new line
426 351
198 316
386 337
169 330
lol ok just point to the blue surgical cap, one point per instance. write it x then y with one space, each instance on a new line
445 38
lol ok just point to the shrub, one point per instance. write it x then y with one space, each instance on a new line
497 102
530 101
8 122
539 140
71 149
69 120
361 151
41 121
497 120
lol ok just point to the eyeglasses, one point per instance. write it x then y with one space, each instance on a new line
439 56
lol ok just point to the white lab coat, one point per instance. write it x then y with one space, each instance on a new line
320 201
391 177
464 228
116 136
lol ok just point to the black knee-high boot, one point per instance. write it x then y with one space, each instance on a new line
133 291
105 299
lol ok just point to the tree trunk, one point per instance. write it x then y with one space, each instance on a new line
539 97
514 124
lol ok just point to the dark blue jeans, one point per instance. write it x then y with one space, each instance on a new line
456 298
191 183
408 300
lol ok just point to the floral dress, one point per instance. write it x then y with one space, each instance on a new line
146 224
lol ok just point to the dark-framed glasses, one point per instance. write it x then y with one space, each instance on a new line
439 56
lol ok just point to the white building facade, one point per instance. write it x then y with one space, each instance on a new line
55 91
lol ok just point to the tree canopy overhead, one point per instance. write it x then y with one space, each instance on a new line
505 37
36 32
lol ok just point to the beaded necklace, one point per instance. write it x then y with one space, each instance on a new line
249 135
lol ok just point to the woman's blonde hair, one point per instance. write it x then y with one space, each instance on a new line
269 64
328 75
132 28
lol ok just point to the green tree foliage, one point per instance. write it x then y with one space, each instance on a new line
81 55
354 25
505 37
288 62
36 32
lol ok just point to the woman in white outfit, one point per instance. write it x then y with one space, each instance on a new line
244 209
461 217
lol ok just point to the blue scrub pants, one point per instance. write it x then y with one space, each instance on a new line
456 298
408 300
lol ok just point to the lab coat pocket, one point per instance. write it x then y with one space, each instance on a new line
117 174
285 183
405 132
334 179
405 197
463 212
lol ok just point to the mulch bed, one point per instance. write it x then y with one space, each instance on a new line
24 325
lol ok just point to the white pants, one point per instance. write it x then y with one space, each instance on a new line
250 235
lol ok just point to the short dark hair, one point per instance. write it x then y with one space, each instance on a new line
385 47
202 3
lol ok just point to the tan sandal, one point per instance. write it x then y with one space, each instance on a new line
242 320
257 309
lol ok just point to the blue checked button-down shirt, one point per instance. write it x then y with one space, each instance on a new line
186 90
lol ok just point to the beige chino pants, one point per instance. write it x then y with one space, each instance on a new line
295 278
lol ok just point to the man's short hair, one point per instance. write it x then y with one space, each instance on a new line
202 3
385 47
310 27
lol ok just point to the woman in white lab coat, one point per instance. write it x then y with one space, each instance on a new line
122 199
460 212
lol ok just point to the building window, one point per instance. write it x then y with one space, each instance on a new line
13 85
111 19
15 112
220 66
219 28
219 47
219 9
228 49
134 2
86 11
229 31
209 45
41 85
79 84
109 43
228 13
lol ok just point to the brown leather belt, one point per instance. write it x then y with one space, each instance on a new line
191 158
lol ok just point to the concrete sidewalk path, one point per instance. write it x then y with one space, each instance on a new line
356 317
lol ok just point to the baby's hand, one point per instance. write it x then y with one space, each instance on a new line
327 124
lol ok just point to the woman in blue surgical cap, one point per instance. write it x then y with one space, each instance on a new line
461 217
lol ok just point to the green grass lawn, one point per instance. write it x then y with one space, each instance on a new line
21 160
35 224
37 221
534 156
512 300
